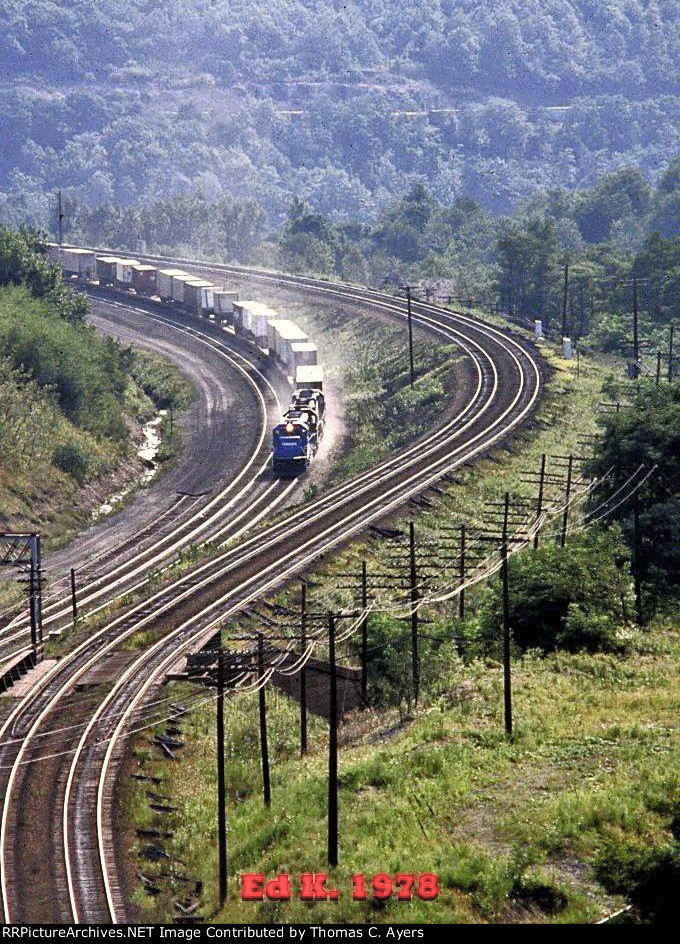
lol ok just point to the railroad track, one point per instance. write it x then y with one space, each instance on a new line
124 568
60 862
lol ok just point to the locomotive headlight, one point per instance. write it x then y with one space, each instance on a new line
289 427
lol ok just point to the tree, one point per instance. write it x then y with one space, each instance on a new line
527 269
570 598
646 434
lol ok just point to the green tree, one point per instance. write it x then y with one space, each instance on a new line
572 598
646 435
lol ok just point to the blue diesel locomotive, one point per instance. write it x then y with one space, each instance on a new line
297 437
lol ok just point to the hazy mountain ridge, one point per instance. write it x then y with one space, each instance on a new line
343 104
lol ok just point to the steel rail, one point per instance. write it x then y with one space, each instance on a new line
151 678
151 556
377 469
347 525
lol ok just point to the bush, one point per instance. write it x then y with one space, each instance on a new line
595 632
569 598
160 380
71 459
83 371
650 878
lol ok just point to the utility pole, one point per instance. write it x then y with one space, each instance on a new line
565 299
364 633
332 749
60 218
637 543
461 595
264 746
636 340
410 333
74 602
541 490
221 787
670 353
507 677
303 671
35 597
415 595
565 517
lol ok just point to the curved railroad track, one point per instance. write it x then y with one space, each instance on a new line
191 518
57 854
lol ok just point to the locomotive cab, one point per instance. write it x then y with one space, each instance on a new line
292 446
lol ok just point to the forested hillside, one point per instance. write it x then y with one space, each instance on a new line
70 400
344 105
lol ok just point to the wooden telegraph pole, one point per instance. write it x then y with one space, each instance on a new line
364 633
303 671
415 596
565 517
461 595
332 748
541 490
221 786
264 746
410 334
507 676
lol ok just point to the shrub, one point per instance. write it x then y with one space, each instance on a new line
591 631
71 459
650 877
570 598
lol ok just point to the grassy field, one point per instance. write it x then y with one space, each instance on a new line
520 829
516 829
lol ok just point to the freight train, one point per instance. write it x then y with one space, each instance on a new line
296 439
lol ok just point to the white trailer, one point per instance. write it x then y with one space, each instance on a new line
272 333
79 262
309 376
106 269
243 309
303 354
260 321
124 272
259 316
178 283
223 302
288 334
198 295
164 279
